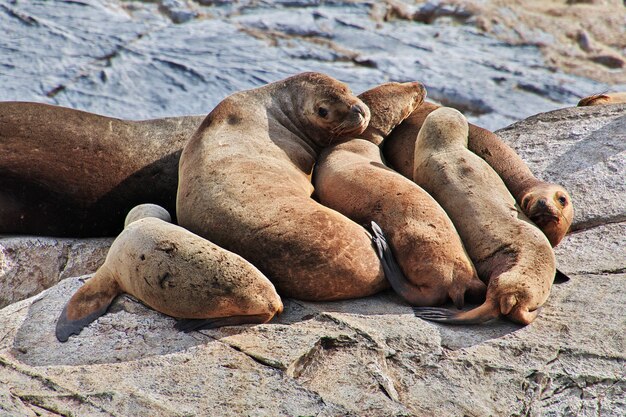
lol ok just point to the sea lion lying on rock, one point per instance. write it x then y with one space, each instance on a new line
67 172
602 99
351 178
175 272
245 184
508 251
548 205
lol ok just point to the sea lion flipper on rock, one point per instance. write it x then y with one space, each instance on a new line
548 205
189 325
91 301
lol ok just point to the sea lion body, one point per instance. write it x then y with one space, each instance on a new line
67 172
351 178
603 99
245 185
176 273
508 251
549 205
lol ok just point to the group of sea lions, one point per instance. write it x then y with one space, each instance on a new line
271 196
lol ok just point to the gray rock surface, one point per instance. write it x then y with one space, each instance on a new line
177 57
29 265
366 357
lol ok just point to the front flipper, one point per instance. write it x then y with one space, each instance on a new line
190 325
88 303
411 293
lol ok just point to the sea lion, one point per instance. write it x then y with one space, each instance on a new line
245 184
508 251
67 172
548 205
175 272
351 178
602 99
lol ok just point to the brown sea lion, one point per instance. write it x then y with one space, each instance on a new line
549 205
67 172
602 99
175 272
245 185
508 251
351 178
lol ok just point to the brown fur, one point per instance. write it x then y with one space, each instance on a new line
245 185
509 252
352 179
398 151
603 99
67 172
175 272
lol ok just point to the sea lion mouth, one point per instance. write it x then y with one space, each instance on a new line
350 127
545 218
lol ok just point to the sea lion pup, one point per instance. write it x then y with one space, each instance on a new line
548 205
509 252
351 178
66 172
603 98
175 272
245 184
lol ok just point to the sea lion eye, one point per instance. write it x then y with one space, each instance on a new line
563 200
322 112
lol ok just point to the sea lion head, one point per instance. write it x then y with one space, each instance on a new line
549 206
390 104
443 128
147 210
329 108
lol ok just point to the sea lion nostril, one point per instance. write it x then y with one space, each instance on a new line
358 109
541 202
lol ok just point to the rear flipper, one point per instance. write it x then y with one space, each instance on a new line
412 294
190 325
478 315
88 303
560 277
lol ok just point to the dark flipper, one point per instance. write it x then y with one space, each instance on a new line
190 325
560 277
442 315
393 273
66 327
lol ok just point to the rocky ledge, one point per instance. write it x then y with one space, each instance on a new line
360 357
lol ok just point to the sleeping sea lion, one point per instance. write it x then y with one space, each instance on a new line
508 251
175 272
67 172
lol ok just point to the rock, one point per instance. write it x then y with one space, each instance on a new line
29 265
141 60
369 356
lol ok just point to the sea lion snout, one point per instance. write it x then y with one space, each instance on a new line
358 109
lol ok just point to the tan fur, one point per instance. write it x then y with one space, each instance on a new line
603 99
352 179
398 150
175 272
245 185
507 249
